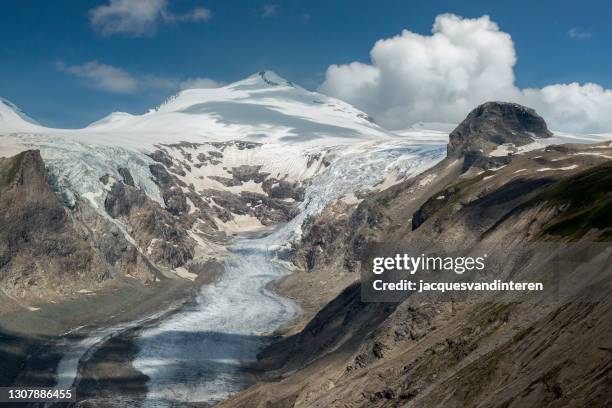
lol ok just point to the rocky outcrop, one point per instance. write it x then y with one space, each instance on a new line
267 210
161 231
193 175
284 189
47 249
493 124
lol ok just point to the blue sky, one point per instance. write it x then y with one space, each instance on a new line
45 42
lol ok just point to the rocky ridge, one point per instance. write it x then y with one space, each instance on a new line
476 350
491 125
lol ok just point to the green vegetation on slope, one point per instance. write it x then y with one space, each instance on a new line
446 199
9 168
587 202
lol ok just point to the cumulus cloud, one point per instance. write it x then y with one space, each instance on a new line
139 17
572 107
116 80
442 76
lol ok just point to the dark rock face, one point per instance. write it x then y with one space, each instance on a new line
127 176
323 238
175 201
241 174
480 160
121 199
161 157
147 221
267 210
495 123
160 175
41 248
284 189
174 197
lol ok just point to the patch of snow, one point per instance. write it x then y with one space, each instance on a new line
503 150
191 206
350 199
185 274
240 223
573 166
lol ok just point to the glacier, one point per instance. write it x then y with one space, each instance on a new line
197 354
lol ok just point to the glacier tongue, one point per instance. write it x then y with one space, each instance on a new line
197 354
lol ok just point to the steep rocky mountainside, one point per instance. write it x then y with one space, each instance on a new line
476 350
47 248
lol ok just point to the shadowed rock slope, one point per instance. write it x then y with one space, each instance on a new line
474 350
48 249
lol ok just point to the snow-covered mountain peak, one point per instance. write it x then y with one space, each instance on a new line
266 79
263 107
14 119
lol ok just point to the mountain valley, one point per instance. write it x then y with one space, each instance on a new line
214 248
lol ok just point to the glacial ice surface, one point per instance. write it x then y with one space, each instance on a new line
198 353
77 166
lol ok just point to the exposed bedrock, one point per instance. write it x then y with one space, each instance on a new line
47 249
247 189
155 229
493 124
267 210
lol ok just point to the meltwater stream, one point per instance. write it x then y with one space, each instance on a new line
197 354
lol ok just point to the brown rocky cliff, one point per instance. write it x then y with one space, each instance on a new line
40 250
48 250
494 123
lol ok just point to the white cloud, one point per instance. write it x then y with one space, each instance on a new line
102 76
269 10
578 33
572 107
139 17
442 76
199 83
116 80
